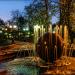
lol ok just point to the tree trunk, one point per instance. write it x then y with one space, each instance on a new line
47 16
65 10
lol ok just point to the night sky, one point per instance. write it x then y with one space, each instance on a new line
6 6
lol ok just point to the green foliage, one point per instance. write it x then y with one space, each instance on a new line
21 22
37 13
2 22
18 19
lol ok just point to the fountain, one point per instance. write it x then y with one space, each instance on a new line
46 46
50 52
53 49
64 58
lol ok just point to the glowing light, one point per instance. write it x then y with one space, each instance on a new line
28 32
53 31
6 33
36 27
25 29
14 26
2 28
0 31
10 26
6 29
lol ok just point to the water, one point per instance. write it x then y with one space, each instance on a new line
61 66
19 67
2 65
23 70
24 66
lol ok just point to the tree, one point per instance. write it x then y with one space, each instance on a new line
40 12
18 19
72 20
21 22
2 22
66 9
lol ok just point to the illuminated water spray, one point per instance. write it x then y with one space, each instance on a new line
65 48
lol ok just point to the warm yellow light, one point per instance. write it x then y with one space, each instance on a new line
14 26
6 29
0 31
36 27
10 26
